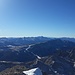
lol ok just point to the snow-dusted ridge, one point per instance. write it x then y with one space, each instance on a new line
27 49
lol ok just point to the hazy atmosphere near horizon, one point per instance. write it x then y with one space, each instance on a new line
51 18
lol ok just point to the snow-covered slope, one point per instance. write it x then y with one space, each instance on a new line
35 71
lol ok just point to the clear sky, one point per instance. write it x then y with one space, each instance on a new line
52 18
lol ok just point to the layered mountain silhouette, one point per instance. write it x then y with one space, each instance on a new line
28 40
25 53
52 56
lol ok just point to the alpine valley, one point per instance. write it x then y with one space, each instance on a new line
53 56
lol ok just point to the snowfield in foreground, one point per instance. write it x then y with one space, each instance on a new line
35 71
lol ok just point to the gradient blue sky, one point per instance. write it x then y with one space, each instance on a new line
52 18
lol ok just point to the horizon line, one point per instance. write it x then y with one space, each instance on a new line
34 36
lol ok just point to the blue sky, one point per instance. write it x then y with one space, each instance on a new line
52 18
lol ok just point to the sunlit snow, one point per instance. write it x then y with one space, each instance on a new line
35 71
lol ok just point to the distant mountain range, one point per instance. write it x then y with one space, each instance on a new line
55 56
25 53
28 40
22 40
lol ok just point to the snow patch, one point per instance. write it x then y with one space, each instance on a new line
10 46
38 57
74 64
27 49
35 71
